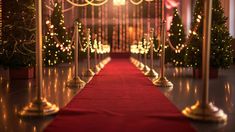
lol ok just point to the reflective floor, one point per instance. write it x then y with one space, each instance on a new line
15 94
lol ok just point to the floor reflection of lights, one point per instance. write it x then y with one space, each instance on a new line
15 94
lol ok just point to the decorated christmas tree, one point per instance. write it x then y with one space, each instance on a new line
57 44
221 51
18 42
177 39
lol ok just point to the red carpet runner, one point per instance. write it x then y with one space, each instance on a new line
120 99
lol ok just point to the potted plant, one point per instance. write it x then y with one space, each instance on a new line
18 44
221 50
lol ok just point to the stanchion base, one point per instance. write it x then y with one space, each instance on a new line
39 108
96 69
145 69
76 82
208 113
101 65
152 74
89 73
107 60
136 63
141 66
163 82
87 79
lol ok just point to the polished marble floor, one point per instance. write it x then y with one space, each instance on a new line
14 94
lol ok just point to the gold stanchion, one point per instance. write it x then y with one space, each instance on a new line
140 65
152 74
204 110
162 80
89 72
101 65
40 106
145 68
96 68
76 82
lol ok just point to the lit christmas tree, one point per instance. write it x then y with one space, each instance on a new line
221 51
57 46
177 39
18 42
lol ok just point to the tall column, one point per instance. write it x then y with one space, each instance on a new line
127 37
134 22
232 18
148 15
186 14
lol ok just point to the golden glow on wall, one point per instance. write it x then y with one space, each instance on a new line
119 2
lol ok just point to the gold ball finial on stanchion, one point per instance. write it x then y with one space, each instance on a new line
204 110
39 106
76 82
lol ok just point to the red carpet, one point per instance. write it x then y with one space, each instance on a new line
120 99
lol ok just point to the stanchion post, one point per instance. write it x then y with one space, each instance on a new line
39 106
152 74
162 80
76 82
140 65
96 68
204 110
89 72
145 68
